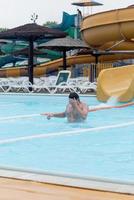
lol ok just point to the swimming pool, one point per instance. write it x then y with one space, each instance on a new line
100 147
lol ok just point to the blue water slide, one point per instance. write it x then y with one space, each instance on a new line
67 21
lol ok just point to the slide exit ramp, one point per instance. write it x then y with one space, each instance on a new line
116 82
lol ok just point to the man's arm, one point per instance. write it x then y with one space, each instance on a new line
59 115
109 107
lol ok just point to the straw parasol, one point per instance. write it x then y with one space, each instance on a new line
64 45
86 3
83 3
31 32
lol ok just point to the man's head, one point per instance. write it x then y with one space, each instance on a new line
74 95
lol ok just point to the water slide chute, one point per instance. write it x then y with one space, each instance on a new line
112 30
51 66
114 26
116 82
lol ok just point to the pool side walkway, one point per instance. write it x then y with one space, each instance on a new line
19 189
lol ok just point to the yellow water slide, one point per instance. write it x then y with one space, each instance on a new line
54 65
106 30
116 82
110 30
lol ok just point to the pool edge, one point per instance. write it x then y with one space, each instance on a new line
91 183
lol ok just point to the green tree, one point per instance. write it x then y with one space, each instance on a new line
50 24
3 29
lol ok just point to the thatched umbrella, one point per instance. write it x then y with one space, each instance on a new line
31 32
85 3
64 45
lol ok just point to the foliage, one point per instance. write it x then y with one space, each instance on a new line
3 29
50 24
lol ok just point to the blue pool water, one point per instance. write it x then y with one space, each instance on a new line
102 146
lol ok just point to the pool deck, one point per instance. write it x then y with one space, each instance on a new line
28 190
27 185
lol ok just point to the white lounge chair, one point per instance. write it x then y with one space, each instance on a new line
18 85
87 87
41 86
4 85
62 83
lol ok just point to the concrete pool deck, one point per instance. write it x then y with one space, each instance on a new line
20 184
27 190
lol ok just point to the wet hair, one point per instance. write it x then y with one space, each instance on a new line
74 95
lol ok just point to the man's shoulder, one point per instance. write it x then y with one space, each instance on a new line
83 103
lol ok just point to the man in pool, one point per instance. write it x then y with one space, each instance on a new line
76 110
